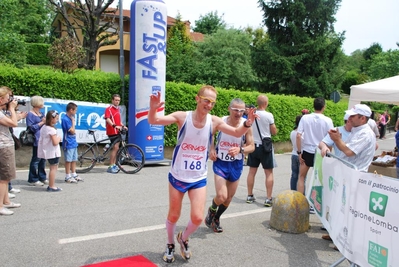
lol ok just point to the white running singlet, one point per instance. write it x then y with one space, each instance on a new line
190 156
225 142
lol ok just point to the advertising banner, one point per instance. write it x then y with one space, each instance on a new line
148 30
89 116
359 211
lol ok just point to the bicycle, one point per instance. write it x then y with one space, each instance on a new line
129 158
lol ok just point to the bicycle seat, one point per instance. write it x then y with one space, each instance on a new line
91 131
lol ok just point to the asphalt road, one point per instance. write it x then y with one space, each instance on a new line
114 216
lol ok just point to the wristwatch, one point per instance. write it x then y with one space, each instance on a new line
299 152
241 150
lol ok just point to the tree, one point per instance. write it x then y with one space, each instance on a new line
209 23
373 50
12 49
65 54
94 20
383 65
29 18
225 60
302 56
180 64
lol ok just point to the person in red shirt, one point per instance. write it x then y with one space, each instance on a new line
114 124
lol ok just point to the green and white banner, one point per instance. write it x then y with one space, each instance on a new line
359 210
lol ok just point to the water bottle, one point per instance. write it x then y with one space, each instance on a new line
106 147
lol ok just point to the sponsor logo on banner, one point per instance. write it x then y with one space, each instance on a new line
378 255
358 211
377 203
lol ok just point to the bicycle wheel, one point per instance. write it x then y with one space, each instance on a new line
130 158
86 158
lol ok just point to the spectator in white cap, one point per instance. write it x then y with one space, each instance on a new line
360 146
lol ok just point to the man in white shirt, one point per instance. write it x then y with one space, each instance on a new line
360 146
313 127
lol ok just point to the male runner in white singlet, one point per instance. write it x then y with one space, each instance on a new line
228 164
189 162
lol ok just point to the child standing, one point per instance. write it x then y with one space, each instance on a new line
49 147
69 144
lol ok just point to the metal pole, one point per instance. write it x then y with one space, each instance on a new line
122 53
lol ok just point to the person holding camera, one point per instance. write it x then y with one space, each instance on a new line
35 121
8 118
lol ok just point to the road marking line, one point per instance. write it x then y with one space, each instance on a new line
244 213
110 234
145 229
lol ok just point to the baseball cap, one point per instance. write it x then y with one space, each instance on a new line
360 109
346 117
305 111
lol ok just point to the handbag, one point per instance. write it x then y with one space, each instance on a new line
266 141
17 143
27 137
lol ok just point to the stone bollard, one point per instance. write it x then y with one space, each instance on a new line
290 212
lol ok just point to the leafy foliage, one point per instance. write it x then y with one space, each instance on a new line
303 52
65 54
209 23
225 60
95 86
29 18
12 49
180 64
384 65
37 54
352 77
94 20
82 85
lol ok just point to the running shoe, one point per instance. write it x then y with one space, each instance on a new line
169 253
268 202
70 180
216 226
250 199
78 179
113 169
184 249
209 217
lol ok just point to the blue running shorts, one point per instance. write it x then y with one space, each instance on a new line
229 170
184 187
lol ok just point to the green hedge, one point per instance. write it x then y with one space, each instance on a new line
37 54
285 108
83 85
97 86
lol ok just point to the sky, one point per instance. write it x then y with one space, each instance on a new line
364 21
